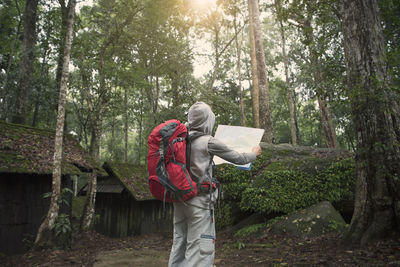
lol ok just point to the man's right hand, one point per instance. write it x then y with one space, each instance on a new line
257 150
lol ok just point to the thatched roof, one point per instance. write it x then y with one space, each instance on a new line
24 149
133 178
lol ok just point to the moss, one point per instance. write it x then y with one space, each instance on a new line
24 149
251 230
134 178
285 178
307 164
284 190
12 162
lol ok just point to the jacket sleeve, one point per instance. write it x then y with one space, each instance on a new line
218 148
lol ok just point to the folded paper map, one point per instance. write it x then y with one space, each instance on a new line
240 139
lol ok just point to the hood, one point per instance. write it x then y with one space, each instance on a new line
201 118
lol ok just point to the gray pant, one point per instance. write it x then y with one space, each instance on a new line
194 234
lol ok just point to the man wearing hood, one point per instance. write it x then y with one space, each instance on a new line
194 228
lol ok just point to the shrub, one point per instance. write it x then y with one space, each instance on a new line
288 190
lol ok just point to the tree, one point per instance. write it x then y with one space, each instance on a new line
235 11
4 96
26 62
290 91
107 42
61 41
48 28
310 18
265 108
44 236
255 92
376 116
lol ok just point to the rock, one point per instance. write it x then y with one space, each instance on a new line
313 221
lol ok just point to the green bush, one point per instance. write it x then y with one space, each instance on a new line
284 191
283 180
233 181
223 215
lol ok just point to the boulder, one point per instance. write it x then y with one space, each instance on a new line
316 220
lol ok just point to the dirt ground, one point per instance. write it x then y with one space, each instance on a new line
96 250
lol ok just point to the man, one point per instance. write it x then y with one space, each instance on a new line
194 228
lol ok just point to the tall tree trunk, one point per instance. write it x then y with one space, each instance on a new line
125 125
4 103
89 207
85 97
141 107
43 69
44 236
94 150
239 78
290 91
112 146
376 116
326 122
176 100
265 107
152 96
255 92
26 62
216 66
64 17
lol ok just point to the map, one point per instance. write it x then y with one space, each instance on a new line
240 139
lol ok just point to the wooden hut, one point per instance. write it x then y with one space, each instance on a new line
125 206
26 164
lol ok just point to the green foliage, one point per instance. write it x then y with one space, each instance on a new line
233 181
62 225
62 231
240 245
223 215
282 180
389 11
62 228
63 196
287 190
249 230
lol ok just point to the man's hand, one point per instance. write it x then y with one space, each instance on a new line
257 150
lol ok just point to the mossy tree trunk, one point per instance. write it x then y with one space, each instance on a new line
376 116
44 235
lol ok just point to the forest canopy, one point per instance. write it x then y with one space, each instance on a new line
137 63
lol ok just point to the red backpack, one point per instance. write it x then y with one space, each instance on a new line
169 179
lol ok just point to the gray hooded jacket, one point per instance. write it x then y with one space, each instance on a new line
201 119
